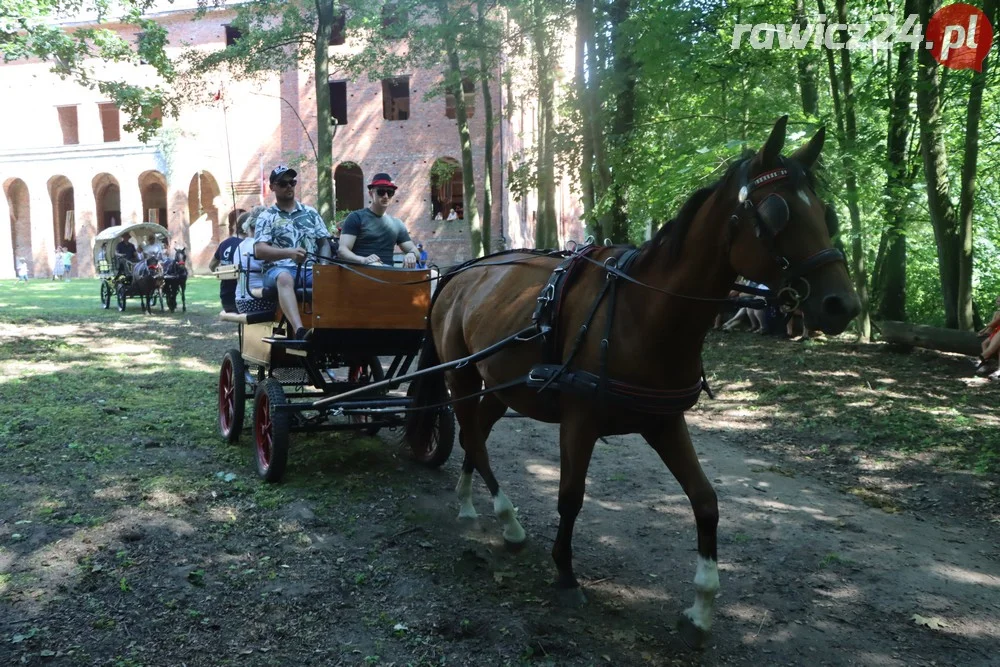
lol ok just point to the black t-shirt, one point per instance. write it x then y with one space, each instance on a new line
224 253
127 249
375 235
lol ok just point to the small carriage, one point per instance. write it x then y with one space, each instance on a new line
121 277
360 316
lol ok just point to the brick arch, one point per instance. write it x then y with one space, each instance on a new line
108 197
19 204
204 231
349 184
153 190
446 186
63 212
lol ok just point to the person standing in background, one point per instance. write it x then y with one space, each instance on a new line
67 262
57 270
224 257
22 269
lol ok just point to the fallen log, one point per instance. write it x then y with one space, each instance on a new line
934 338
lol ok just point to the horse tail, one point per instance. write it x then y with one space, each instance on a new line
429 389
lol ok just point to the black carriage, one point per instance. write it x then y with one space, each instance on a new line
116 270
368 324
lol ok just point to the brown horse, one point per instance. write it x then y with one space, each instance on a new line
762 220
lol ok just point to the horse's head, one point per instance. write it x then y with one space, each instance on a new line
779 233
180 256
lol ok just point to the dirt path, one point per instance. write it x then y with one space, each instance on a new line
159 546
809 575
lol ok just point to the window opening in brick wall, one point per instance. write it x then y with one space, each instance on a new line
339 34
396 98
139 36
394 20
232 35
338 102
69 124
349 186
446 189
469 88
110 122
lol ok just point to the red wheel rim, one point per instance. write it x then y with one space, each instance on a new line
263 431
227 396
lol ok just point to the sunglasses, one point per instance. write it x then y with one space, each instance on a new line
385 192
286 184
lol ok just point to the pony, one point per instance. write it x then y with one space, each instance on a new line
626 340
175 275
147 279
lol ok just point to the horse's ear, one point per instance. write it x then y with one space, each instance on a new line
808 154
769 154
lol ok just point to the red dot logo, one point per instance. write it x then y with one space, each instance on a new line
959 36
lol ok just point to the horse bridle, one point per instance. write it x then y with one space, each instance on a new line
770 217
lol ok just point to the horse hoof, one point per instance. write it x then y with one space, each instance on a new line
514 547
694 637
571 598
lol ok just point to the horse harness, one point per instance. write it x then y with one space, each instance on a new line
770 217
561 377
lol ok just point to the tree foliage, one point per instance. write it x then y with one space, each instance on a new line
42 29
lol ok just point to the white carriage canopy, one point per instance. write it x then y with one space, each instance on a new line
108 238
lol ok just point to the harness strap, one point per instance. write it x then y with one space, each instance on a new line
640 399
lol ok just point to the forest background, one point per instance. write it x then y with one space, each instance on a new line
658 104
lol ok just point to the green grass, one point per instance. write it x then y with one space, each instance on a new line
81 299
835 398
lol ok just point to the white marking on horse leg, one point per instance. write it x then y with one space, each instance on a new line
466 509
706 585
507 515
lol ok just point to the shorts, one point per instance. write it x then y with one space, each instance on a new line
270 278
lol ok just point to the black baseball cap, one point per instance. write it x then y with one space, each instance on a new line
282 170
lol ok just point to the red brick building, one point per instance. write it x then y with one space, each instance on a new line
68 169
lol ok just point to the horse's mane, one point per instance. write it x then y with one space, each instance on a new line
673 232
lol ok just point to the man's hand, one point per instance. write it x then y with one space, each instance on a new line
410 260
297 255
372 259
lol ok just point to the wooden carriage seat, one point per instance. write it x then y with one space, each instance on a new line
344 299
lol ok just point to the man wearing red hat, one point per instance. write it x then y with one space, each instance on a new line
370 235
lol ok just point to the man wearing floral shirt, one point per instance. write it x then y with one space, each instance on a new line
287 233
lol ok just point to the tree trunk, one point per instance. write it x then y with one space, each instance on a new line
942 211
848 137
324 137
933 338
806 63
890 275
602 169
471 213
546 235
488 121
967 195
624 118
584 34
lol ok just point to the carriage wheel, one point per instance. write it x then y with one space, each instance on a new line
366 373
270 430
436 451
120 294
232 396
105 294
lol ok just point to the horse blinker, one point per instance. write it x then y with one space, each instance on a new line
772 214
